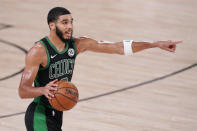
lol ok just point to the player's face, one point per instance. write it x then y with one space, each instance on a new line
64 27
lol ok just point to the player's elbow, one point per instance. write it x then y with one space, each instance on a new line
119 49
21 92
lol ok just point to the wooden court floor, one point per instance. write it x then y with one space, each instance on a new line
152 90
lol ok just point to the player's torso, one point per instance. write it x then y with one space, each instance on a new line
57 64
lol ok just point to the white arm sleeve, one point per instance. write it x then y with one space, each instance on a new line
128 47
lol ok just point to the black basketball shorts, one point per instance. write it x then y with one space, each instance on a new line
39 117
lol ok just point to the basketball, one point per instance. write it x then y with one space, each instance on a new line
66 96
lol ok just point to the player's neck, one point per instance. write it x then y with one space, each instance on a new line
56 41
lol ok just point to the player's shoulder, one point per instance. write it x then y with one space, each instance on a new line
37 50
82 43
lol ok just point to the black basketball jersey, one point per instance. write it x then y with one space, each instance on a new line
60 65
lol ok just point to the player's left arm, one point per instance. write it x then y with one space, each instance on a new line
88 44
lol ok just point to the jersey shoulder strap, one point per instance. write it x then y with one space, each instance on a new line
45 43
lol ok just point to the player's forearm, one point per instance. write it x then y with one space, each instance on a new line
139 46
29 91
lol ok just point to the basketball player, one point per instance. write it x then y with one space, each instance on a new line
53 58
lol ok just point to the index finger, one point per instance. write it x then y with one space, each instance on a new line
52 82
177 42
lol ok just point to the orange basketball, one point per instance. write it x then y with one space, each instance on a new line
66 96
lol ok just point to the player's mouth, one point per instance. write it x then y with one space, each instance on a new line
68 34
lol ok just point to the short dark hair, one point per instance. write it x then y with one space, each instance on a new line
55 12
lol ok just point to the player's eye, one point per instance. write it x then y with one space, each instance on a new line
65 22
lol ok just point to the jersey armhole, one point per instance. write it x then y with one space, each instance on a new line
75 47
48 60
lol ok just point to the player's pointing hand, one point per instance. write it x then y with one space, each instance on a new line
168 45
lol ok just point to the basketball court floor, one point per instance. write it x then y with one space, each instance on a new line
152 90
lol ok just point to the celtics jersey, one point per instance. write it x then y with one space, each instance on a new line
60 65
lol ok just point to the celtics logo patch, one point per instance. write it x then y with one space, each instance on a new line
71 52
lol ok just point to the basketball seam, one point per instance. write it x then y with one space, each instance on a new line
67 87
67 97
60 104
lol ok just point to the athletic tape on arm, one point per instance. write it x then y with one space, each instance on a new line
128 47
105 41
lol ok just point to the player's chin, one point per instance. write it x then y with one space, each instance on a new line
67 36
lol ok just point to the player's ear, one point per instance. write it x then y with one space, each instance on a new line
52 26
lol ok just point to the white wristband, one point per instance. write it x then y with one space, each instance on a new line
128 47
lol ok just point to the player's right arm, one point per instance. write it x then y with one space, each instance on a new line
33 59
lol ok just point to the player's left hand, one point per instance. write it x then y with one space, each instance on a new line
168 45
